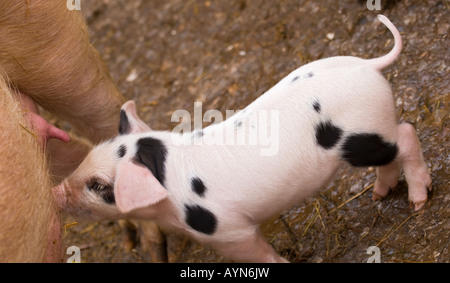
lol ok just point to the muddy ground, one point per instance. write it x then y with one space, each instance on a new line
167 54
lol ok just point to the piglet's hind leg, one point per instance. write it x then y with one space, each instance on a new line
411 160
387 178
414 167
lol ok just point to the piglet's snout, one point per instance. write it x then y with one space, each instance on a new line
60 195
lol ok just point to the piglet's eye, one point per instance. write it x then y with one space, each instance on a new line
104 191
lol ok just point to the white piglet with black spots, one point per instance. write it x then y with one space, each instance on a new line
219 183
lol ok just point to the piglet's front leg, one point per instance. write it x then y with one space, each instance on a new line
251 248
37 125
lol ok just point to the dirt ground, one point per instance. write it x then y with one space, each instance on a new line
168 54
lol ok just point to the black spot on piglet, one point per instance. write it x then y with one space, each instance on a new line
122 151
327 134
316 106
200 219
363 150
308 75
238 123
152 153
198 134
197 186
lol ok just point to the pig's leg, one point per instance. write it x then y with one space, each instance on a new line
252 248
414 167
409 158
151 238
387 179
129 234
46 52
152 241
30 229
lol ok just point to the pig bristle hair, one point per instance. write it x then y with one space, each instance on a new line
25 185
72 82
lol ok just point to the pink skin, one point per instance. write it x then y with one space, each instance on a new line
59 195
54 251
45 131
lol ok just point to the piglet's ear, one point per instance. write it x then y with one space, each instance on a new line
130 123
135 187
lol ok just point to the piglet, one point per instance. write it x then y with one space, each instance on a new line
325 114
